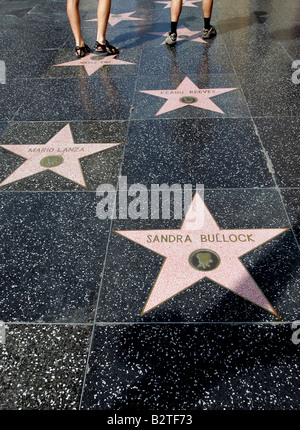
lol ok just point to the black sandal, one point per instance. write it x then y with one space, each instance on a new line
82 50
107 47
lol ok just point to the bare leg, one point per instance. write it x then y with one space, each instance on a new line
207 6
208 30
176 7
102 16
74 18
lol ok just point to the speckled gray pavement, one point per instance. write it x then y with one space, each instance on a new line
72 290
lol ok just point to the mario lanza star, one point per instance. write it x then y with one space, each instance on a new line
60 155
185 34
200 249
115 18
94 62
188 94
188 3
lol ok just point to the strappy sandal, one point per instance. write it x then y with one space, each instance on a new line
82 50
107 47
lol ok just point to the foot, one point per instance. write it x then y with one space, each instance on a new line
82 50
209 33
106 47
171 39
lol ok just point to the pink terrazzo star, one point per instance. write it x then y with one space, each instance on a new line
200 249
115 18
185 33
188 3
188 94
94 62
60 155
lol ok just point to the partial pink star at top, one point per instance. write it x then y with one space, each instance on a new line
62 147
184 32
115 18
177 246
176 98
188 3
93 62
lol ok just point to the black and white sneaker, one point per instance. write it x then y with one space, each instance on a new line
207 34
171 39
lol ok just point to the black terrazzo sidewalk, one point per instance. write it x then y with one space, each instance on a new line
72 290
